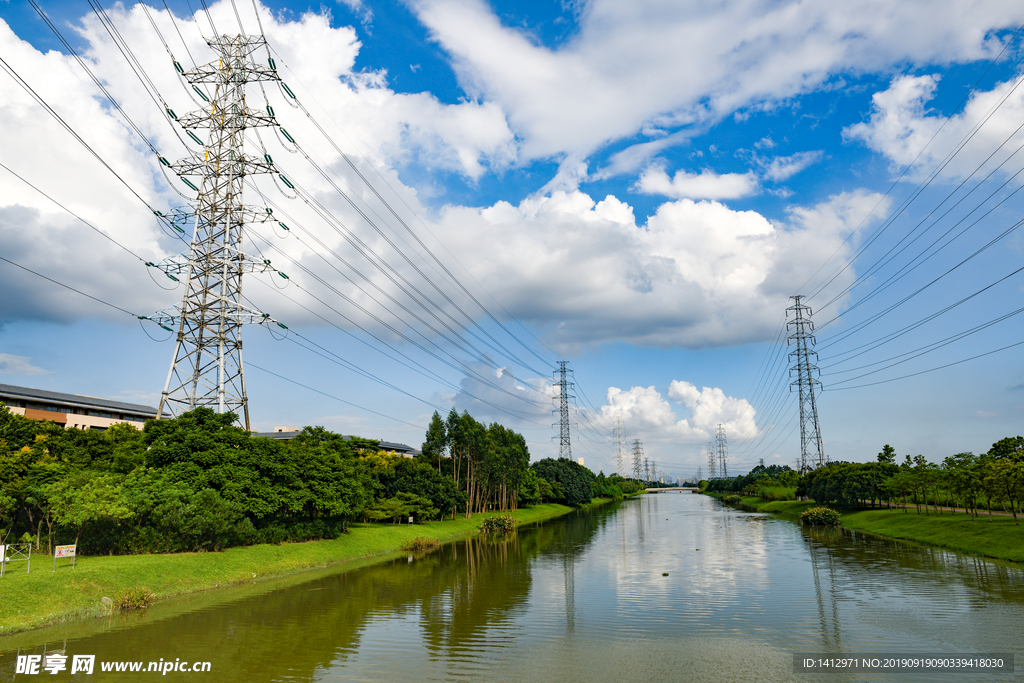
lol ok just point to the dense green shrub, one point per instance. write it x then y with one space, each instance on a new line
733 499
498 524
136 597
770 493
421 544
819 516
575 481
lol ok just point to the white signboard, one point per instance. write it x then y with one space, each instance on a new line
64 551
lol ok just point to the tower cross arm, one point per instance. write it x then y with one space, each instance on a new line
236 313
242 164
244 118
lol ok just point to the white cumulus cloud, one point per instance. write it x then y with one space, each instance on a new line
18 365
985 133
660 65
704 185
646 413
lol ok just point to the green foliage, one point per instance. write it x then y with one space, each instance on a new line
733 499
819 516
395 474
402 506
575 481
846 484
421 544
138 597
87 498
770 493
435 444
1011 448
498 524
750 482
198 482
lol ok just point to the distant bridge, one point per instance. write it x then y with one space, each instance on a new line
678 489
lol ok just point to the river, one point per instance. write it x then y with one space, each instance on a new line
668 587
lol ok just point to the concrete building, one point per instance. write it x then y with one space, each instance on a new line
73 411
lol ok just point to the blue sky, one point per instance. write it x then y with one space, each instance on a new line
636 189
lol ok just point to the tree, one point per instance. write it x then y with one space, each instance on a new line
576 481
1007 478
1011 448
963 476
888 455
435 444
86 498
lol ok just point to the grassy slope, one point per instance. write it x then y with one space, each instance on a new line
30 600
999 538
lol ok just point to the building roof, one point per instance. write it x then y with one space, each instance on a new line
76 400
397 447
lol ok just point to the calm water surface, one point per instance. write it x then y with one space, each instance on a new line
584 598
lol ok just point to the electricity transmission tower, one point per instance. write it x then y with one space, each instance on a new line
723 452
647 470
700 473
712 468
619 453
564 442
206 369
812 453
638 454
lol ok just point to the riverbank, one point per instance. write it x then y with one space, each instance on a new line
998 538
44 597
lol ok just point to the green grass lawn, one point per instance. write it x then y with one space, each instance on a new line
999 538
30 600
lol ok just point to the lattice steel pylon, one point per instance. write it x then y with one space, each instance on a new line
638 455
723 452
206 369
812 452
564 439
712 466
619 453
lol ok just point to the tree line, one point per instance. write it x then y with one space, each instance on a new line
199 482
990 482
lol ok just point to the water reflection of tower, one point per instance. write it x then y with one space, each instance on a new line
569 569
828 606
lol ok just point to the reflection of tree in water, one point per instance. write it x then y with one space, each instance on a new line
474 585
841 559
881 557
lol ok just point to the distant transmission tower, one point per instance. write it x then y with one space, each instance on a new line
564 440
812 453
700 473
712 467
638 454
206 369
647 470
619 453
723 452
